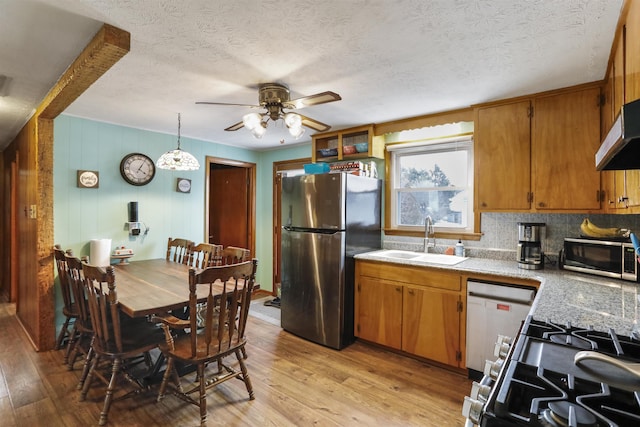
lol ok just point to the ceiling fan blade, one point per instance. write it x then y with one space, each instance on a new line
235 127
318 98
314 124
226 103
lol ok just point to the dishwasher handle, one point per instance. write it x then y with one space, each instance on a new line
500 292
524 301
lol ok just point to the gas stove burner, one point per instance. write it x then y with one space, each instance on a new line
562 413
570 340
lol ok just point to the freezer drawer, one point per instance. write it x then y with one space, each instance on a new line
313 301
492 310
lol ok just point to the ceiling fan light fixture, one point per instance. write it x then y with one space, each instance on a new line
178 159
293 120
294 123
259 130
275 99
252 120
296 132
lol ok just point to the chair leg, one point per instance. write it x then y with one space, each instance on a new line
203 395
72 349
71 345
109 395
165 379
63 333
245 375
87 383
85 368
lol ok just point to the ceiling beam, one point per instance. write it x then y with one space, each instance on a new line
107 47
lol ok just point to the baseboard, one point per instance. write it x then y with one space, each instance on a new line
260 293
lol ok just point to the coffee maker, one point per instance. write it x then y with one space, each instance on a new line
530 255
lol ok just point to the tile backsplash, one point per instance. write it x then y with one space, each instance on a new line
500 233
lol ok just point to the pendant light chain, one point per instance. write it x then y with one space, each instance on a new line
178 131
178 159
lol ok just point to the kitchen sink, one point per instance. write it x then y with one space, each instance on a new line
400 254
427 258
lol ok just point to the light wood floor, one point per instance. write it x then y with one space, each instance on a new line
296 383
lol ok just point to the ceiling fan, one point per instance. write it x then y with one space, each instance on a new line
274 97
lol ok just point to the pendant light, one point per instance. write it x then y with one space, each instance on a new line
178 159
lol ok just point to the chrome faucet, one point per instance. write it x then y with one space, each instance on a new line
429 233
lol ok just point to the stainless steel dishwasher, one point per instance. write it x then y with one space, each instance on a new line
492 309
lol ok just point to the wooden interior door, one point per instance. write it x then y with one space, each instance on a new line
231 204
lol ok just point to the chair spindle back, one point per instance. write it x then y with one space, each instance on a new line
102 297
204 255
178 250
223 323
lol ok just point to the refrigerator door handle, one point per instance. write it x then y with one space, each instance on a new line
311 230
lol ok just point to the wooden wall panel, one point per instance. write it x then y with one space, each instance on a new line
35 306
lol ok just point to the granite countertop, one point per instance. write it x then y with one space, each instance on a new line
563 296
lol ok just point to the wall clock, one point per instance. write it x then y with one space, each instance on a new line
183 185
88 179
137 169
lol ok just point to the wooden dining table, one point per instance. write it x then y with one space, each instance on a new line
154 286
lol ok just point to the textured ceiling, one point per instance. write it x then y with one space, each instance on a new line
387 59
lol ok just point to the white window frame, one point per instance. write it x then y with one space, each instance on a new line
457 143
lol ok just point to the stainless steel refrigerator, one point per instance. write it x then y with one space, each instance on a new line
327 219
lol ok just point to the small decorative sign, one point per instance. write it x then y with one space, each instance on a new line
183 185
88 179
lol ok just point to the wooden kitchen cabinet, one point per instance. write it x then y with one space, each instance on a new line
414 309
622 188
347 138
431 323
632 53
566 136
503 157
379 318
537 153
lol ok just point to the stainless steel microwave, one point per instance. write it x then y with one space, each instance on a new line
600 257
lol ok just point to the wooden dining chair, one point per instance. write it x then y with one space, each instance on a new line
178 250
233 255
115 339
215 331
69 309
204 255
81 344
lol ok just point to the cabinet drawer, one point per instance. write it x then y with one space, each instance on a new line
423 276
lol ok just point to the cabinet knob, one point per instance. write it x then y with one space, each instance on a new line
398 289
411 291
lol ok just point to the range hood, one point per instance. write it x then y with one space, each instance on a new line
620 149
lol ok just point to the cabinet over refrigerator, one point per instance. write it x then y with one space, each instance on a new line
327 219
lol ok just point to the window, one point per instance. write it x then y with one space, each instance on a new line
432 178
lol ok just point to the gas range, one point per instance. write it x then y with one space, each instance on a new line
559 375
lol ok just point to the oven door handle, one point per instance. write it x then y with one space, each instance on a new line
632 368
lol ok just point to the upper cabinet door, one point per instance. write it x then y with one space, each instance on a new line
566 136
632 53
502 157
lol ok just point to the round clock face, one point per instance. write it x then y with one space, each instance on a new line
88 179
184 185
137 169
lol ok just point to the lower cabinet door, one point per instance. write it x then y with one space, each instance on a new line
431 324
379 311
